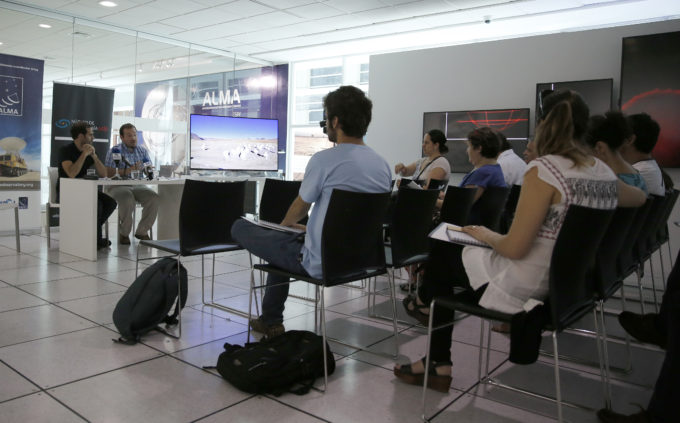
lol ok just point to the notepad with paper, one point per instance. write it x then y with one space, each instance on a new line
448 232
275 226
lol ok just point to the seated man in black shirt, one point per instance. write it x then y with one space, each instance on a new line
74 160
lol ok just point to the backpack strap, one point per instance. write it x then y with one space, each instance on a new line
125 341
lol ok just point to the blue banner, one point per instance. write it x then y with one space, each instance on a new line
21 89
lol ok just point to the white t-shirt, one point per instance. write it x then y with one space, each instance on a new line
513 167
651 173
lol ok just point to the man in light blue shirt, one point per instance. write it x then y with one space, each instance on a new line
351 165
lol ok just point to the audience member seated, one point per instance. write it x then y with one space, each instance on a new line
433 165
511 164
605 136
74 161
662 329
638 151
351 165
516 268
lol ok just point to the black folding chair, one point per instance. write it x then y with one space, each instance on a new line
570 293
510 207
457 205
277 196
438 184
487 210
206 213
411 223
351 249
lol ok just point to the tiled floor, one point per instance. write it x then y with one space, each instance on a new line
58 362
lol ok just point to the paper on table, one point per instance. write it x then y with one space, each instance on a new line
275 226
448 232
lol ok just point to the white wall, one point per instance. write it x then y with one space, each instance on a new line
490 75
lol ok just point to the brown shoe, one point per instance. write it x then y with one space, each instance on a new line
143 237
269 330
123 239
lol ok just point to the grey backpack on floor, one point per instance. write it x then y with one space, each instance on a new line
148 301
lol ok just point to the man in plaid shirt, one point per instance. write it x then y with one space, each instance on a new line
132 157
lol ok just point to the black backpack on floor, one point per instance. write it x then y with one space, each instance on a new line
276 365
147 302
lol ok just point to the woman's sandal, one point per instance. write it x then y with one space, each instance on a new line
416 311
440 383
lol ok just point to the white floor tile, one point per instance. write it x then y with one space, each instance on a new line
60 359
17 261
33 323
13 384
37 408
98 309
160 390
261 410
12 299
101 265
72 288
41 273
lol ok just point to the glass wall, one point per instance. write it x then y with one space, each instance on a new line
311 81
77 51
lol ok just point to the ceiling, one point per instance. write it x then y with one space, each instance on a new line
214 35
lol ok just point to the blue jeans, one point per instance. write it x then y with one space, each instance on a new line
280 249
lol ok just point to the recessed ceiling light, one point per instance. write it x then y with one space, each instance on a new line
45 26
108 4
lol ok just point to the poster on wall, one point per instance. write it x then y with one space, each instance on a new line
249 93
650 83
21 81
74 103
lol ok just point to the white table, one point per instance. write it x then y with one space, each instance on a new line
15 206
78 214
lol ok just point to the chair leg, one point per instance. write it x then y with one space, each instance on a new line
179 297
323 337
605 352
600 358
558 390
629 354
137 263
651 274
481 346
393 295
250 301
427 360
663 270
642 297
670 255
16 228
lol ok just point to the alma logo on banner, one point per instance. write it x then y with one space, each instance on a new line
222 98
11 95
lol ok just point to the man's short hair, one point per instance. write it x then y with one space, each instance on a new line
646 132
352 108
79 128
503 140
125 126
486 138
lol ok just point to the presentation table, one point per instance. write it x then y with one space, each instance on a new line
78 212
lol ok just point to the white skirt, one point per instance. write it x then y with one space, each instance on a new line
511 282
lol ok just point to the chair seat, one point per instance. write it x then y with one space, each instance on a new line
172 246
336 281
417 259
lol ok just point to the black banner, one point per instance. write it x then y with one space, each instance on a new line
73 103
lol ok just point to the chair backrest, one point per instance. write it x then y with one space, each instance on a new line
411 223
487 210
277 196
352 238
606 275
649 227
572 262
207 211
510 207
53 175
457 204
626 259
438 184
662 232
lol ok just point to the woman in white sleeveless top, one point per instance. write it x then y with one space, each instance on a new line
434 165
516 269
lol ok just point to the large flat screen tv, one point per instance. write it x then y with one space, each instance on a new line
650 83
513 123
233 143
597 93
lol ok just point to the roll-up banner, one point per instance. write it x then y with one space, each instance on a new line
21 84
73 103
